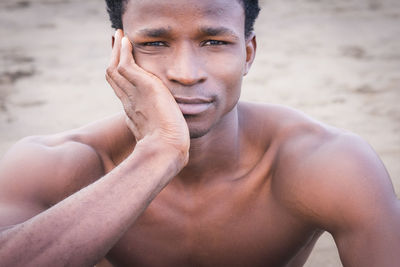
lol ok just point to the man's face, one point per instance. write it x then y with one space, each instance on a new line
197 48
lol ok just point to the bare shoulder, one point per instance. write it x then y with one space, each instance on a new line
320 170
42 170
328 176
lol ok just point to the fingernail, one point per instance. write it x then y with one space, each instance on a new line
119 33
124 41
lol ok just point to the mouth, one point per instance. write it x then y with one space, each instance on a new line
193 105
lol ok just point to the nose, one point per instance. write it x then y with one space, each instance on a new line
186 66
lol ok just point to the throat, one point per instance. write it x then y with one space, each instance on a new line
215 154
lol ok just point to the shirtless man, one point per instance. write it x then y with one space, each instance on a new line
188 176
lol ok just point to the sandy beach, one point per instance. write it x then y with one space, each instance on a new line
338 61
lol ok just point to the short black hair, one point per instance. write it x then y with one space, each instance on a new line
116 8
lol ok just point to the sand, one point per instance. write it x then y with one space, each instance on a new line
338 61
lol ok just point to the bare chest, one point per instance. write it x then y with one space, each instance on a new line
239 224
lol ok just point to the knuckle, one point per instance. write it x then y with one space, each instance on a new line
108 78
122 69
127 108
109 71
118 94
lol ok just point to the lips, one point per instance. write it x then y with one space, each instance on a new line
193 105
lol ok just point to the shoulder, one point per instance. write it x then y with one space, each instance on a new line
319 170
328 176
49 168
282 127
275 119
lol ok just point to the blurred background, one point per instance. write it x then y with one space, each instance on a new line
338 61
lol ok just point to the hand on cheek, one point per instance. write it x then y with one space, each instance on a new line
152 112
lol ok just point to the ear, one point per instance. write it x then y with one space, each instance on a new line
251 47
112 41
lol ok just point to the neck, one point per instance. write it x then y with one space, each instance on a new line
216 152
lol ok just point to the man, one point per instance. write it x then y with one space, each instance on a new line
189 176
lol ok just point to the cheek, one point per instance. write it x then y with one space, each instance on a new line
230 65
150 63
229 73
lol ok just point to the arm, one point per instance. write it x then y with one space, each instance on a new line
367 232
374 241
80 230
342 187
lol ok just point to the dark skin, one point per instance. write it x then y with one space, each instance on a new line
187 176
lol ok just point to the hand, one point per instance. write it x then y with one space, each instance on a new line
151 110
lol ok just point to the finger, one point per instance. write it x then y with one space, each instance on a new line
130 70
122 87
128 86
126 103
118 84
115 53
127 67
126 52
117 90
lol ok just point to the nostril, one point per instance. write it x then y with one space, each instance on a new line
186 67
188 81
186 77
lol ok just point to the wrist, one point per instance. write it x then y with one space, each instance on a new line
156 150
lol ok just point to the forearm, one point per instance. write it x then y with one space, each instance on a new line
81 229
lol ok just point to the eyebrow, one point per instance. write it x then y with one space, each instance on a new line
216 31
155 33
208 31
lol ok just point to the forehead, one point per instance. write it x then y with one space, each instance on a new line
180 14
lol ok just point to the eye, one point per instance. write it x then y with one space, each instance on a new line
215 42
156 43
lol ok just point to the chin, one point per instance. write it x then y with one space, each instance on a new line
198 126
197 133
